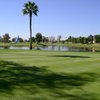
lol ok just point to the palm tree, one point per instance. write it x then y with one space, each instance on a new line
29 9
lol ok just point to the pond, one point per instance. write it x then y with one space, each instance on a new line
53 48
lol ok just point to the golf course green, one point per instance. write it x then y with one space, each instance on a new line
49 75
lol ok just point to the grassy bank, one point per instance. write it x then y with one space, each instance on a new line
16 44
96 46
48 75
59 44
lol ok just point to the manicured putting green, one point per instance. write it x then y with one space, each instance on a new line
49 75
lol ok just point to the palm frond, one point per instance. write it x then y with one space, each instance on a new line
25 12
30 7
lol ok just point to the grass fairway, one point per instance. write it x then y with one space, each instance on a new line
49 75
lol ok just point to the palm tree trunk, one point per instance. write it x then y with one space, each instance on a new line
30 16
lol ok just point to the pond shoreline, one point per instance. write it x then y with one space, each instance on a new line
46 44
53 47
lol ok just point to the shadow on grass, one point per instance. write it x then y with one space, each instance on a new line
71 56
33 79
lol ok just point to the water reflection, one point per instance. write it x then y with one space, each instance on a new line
5 47
12 47
66 48
53 48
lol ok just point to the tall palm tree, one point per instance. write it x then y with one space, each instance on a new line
29 9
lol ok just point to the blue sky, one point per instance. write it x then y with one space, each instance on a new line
55 17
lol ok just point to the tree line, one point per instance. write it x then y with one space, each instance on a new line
40 38
91 39
6 38
36 39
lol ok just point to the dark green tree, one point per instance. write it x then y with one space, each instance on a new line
33 39
29 9
14 39
97 38
6 37
90 39
38 37
0 39
44 39
69 39
21 39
